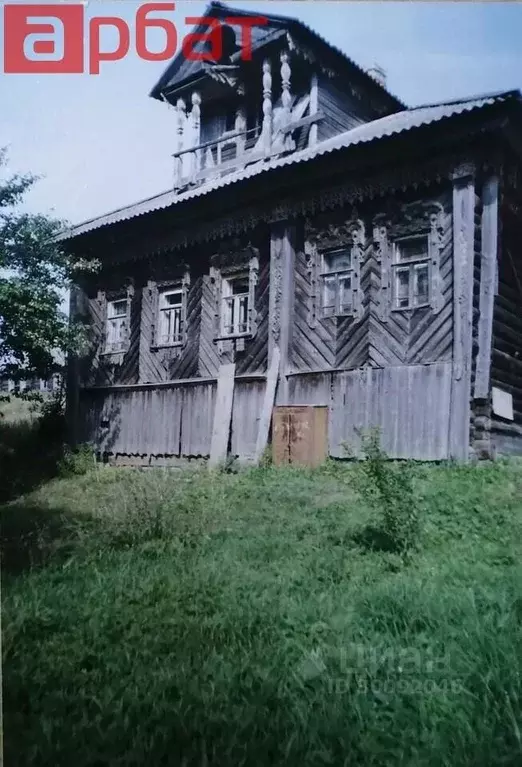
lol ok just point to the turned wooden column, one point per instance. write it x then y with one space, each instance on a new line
267 107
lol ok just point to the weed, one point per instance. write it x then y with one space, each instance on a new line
170 617
75 462
389 487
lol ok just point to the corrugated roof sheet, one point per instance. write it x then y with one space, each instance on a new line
373 131
179 69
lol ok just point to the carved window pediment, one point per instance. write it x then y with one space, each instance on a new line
234 285
335 289
115 307
169 330
424 221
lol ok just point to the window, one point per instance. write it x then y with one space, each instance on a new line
411 273
337 295
235 306
116 325
230 121
171 319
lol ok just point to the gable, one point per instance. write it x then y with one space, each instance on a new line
180 73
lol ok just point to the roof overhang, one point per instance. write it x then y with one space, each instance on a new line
492 113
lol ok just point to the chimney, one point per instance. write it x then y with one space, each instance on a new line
378 74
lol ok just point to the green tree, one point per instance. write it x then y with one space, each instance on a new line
35 273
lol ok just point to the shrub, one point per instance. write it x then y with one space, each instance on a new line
389 487
76 462
31 444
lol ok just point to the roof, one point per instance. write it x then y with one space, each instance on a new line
401 122
180 70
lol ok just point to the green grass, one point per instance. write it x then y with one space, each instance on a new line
32 442
15 410
187 618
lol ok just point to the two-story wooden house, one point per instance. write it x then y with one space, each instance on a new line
320 235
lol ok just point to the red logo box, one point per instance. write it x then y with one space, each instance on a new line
33 35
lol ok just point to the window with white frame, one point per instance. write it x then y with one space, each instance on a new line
235 306
171 320
411 272
116 325
337 283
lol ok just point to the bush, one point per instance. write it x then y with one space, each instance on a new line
389 487
76 462
32 446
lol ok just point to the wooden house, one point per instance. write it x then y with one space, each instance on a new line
321 240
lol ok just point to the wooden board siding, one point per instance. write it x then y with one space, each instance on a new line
463 269
167 421
400 337
341 113
485 279
254 357
98 368
248 407
506 359
419 336
177 421
158 364
400 401
381 368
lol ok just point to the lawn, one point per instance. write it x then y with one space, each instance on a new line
252 618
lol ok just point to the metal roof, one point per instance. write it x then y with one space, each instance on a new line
179 69
375 130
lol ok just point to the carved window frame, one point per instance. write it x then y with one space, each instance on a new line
239 268
106 298
428 220
181 284
319 243
338 275
410 265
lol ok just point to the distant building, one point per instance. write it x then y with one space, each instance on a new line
49 385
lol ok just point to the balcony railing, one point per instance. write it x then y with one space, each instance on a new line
234 150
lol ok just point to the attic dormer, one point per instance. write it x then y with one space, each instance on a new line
293 92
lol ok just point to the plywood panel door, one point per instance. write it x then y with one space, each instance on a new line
300 435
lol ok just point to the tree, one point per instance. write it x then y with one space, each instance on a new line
35 274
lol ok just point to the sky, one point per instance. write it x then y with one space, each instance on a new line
100 142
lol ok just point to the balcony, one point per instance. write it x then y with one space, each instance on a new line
235 150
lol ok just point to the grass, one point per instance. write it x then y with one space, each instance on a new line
15 410
189 618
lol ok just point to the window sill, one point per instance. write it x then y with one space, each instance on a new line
159 347
114 353
234 337
410 308
343 316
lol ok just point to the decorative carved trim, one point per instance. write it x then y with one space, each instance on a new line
370 187
152 289
382 251
310 249
233 264
276 291
113 359
216 284
404 220
253 279
167 353
463 171
435 245
306 54
320 237
358 245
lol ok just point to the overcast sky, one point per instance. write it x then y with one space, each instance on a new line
101 142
